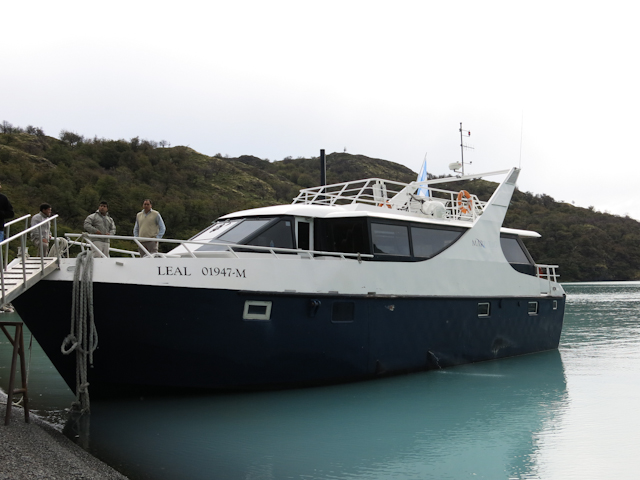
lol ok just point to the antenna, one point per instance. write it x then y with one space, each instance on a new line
463 133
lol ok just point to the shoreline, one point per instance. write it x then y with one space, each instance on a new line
37 450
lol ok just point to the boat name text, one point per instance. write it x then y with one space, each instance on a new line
206 271
173 271
476 242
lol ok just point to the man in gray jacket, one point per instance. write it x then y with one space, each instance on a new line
100 223
41 236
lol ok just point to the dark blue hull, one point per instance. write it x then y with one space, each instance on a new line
168 337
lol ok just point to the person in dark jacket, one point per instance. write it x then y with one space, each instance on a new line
6 212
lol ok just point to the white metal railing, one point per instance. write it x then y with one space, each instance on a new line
547 272
22 237
458 205
86 241
7 234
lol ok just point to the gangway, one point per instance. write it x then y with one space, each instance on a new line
24 272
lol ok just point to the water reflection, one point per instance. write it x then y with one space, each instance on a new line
477 420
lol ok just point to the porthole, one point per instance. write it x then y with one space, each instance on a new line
342 312
484 309
533 308
256 310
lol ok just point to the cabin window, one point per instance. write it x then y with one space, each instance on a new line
217 229
279 235
517 255
304 241
343 312
390 239
428 242
555 304
533 308
513 250
345 235
484 309
229 232
244 229
256 310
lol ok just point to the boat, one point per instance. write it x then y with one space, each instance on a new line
349 282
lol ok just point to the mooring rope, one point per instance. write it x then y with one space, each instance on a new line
84 336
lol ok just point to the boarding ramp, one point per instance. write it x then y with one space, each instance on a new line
23 272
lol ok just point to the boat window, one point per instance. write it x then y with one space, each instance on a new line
390 239
217 229
229 232
345 235
304 241
428 242
279 235
342 312
533 308
256 310
484 309
513 250
517 255
244 229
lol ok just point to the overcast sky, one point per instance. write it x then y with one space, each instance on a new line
552 87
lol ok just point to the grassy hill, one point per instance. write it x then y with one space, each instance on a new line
190 189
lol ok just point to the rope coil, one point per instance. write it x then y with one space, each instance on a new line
83 338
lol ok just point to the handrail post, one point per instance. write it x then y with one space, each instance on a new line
23 243
5 262
2 275
55 239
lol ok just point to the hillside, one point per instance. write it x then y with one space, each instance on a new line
191 189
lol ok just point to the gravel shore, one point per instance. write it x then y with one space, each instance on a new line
37 450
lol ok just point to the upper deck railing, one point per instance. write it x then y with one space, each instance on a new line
387 194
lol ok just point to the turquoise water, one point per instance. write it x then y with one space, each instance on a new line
571 413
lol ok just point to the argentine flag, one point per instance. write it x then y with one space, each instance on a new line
422 176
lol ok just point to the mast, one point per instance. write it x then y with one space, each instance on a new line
461 149
463 133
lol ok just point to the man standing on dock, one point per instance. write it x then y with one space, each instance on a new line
149 224
100 223
6 211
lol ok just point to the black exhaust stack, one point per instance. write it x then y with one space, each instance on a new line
323 168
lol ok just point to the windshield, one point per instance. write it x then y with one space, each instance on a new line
235 231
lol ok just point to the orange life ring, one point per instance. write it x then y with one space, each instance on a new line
465 202
385 203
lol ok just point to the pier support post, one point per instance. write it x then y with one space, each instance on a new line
18 351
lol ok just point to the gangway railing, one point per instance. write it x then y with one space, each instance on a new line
7 234
31 270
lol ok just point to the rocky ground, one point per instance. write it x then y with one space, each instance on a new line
37 450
